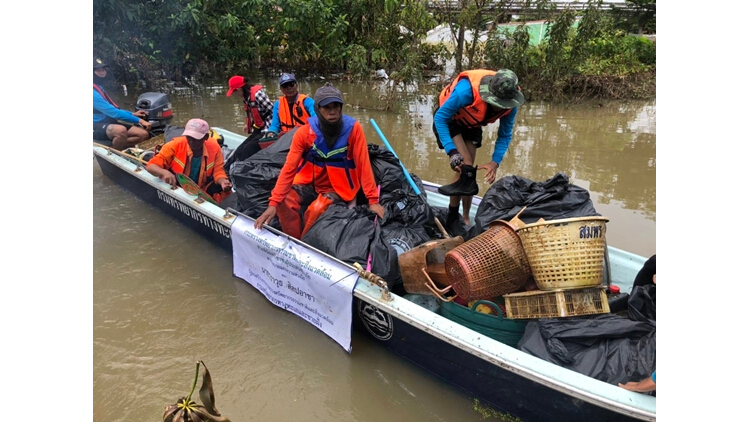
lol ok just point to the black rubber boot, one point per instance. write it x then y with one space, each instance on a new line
453 215
466 185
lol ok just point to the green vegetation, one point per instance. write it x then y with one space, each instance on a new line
181 39
596 60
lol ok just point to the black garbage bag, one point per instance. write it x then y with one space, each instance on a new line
407 208
642 303
441 213
275 154
402 237
385 168
458 228
230 202
255 177
553 199
253 183
608 347
171 132
351 234
245 150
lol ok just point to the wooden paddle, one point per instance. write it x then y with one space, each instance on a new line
193 189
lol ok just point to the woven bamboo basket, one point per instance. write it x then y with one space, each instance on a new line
489 265
557 303
566 253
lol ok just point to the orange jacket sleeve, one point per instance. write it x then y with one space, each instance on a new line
300 144
164 158
362 160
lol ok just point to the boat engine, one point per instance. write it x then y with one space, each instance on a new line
158 107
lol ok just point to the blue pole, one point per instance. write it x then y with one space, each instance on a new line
388 146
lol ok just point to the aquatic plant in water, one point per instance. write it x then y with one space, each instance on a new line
186 410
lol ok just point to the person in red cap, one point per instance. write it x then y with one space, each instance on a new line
327 162
258 111
195 155
258 107
291 109
109 128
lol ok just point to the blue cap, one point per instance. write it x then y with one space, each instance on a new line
286 77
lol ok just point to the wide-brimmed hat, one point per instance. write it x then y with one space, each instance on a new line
501 89
235 83
98 63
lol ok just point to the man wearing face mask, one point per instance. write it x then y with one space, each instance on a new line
107 116
327 162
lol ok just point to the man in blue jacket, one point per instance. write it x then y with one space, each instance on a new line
291 109
108 129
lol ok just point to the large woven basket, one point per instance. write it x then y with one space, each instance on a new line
566 253
489 265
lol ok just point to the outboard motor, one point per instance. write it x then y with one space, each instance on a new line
158 107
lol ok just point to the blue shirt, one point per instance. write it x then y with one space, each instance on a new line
463 96
308 103
106 109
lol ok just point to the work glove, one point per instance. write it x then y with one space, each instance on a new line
456 159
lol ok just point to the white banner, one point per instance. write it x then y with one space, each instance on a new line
304 282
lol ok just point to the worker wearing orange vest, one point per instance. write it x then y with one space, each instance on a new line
474 99
329 155
195 155
292 109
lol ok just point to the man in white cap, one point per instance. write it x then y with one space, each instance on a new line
327 162
292 109
195 155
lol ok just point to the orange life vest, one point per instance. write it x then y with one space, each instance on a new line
475 114
251 109
290 119
337 160
179 162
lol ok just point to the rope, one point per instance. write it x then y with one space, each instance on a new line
374 279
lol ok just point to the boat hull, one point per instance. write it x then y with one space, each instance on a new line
200 222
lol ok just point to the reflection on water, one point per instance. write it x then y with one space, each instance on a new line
165 297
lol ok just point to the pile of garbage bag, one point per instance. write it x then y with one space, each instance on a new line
608 347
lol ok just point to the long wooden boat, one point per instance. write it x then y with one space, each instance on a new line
510 380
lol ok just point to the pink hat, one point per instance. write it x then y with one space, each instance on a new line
196 128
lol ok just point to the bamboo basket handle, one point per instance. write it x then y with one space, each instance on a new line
435 290
442 229
516 222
